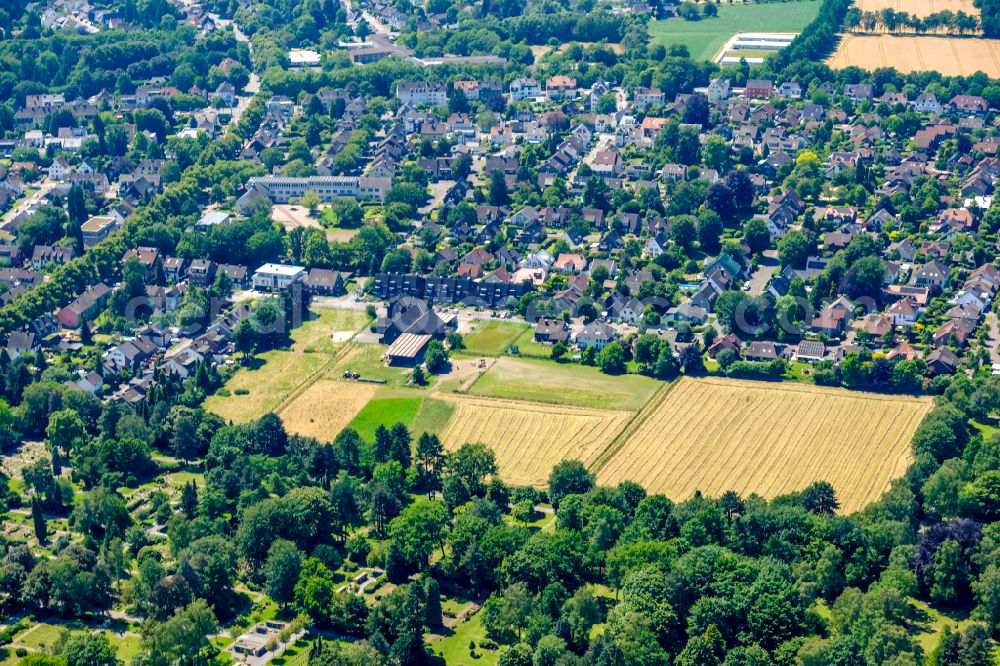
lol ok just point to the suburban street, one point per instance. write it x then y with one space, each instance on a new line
28 202
375 24
993 340
768 266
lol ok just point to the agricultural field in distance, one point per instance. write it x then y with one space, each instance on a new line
704 38
268 380
918 7
329 404
529 438
951 56
715 435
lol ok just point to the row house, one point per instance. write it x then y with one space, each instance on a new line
418 93
43 255
85 307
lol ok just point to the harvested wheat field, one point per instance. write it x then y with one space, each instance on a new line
951 56
529 438
325 408
715 435
919 8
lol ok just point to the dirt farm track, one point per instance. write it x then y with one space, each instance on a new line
951 56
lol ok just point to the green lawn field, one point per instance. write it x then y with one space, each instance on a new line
563 383
387 412
491 338
432 416
388 407
704 38
455 648
40 637
526 345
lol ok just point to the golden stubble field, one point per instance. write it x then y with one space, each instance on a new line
708 434
325 408
530 438
715 435
951 56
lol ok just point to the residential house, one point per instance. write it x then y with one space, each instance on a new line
277 277
646 97
21 342
724 342
239 276
931 274
971 104
596 335
87 306
759 89
419 93
43 255
128 355
718 90
175 268
903 313
551 330
560 87
201 272
790 90
97 228
941 361
810 351
324 282
570 264
760 352
522 89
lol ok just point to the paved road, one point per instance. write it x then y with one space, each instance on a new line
253 85
374 23
768 266
25 204
993 341
603 141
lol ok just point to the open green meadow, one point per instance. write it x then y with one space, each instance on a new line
432 416
563 383
420 414
268 380
327 330
385 411
455 647
704 38
527 346
492 338
366 360
262 385
40 637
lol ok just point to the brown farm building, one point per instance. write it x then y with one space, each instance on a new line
408 349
